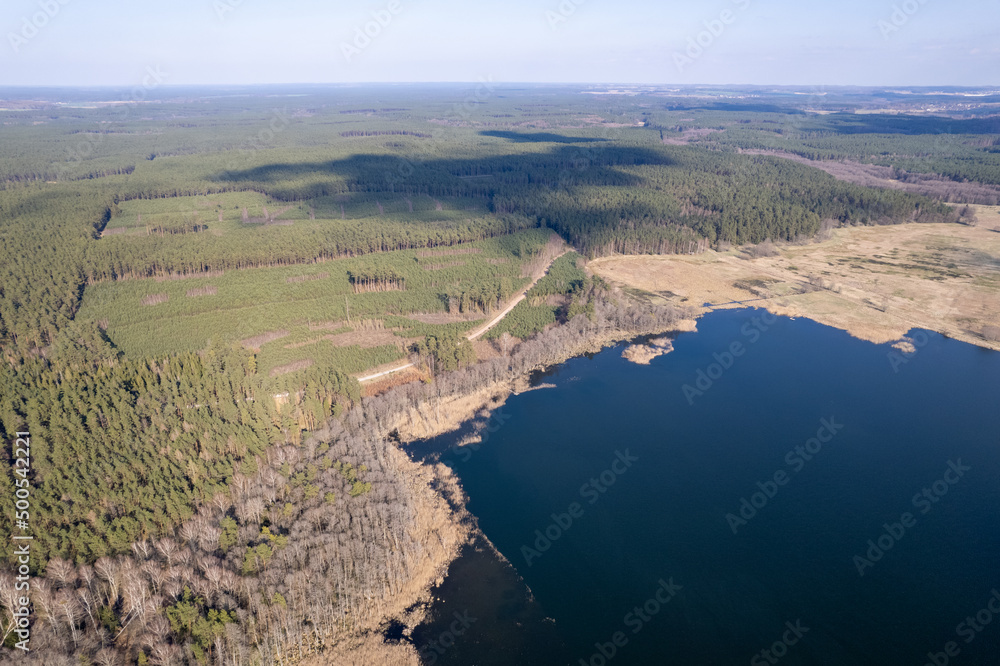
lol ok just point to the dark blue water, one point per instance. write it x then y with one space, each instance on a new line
636 487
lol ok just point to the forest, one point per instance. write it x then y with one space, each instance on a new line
191 287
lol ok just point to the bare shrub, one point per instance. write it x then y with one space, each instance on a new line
968 216
765 249
155 299
826 228
991 332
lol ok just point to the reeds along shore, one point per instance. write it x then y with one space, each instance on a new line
307 555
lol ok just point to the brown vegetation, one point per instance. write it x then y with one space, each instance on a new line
765 249
295 366
257 341
389 382
367 339
643 354
444 317
308 565
207 290
155 299
876 283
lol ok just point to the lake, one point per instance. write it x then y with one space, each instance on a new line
772 491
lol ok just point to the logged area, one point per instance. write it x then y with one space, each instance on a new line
194 285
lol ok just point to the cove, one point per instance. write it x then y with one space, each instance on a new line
772 491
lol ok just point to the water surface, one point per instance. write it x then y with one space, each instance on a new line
789 580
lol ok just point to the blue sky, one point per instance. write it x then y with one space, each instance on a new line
863 42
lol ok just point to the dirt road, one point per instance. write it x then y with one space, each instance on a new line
482 329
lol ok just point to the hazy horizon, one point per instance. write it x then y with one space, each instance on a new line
895 43
812 87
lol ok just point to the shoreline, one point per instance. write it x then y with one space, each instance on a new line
454 412
875 283
441 512
459 409
435 417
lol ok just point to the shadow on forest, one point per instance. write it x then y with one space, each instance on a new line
529 184
561 166
539 137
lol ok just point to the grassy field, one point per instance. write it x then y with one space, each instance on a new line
877 283
307 314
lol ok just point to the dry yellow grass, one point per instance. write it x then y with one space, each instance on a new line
877 283
989 217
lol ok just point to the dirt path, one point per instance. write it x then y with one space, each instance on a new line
483 329
384 373
524 293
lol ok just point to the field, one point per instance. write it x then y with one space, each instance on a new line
308 314
877 283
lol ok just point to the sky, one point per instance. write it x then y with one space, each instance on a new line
770 42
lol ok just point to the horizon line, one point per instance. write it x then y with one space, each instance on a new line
507 83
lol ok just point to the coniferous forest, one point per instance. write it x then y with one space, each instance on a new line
192 285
